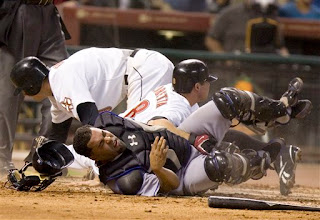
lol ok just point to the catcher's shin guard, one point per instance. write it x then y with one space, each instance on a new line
236 168
248 107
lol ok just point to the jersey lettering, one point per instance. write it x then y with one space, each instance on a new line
161 96
67 104
143 105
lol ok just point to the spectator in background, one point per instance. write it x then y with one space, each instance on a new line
304 9
249 27
316 3
179 5
109 3
28 28
188 5
215 6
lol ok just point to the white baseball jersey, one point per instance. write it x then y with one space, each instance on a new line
164 102
98 75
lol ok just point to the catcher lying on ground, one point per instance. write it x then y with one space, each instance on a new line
146 160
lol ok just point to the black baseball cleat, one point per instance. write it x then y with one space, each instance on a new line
285 165
267 156
290 97
301 109
273 148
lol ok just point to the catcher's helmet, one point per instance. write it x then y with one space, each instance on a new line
28 75
51 157
188 72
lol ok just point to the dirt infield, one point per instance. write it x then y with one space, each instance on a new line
61 200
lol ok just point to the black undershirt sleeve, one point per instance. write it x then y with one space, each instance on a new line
59 131
88 112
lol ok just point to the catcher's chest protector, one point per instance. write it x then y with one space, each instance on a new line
138 142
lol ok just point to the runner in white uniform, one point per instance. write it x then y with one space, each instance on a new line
92 80
191 81
166 102
162 102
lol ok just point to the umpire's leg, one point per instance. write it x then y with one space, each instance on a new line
9 110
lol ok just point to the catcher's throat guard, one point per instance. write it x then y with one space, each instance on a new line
28 180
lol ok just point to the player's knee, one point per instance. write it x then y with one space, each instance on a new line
231 102
130 183
217 166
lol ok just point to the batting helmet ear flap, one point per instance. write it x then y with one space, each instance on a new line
51 158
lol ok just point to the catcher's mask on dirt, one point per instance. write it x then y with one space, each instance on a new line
51 158
27 179
28 74
48 161
188 72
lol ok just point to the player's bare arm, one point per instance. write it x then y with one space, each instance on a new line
158 156
171 127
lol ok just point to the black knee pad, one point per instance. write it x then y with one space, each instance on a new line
232 102
217 166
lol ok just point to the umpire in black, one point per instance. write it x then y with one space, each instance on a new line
28 28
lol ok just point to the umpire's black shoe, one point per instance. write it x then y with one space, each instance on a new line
301 109
285 165
290 97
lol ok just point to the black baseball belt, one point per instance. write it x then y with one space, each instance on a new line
134 52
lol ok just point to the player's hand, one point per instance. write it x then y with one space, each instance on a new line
158 154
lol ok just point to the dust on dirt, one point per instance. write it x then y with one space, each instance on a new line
64 200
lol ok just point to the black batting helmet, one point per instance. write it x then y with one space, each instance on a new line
51 157
28 75
188 72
